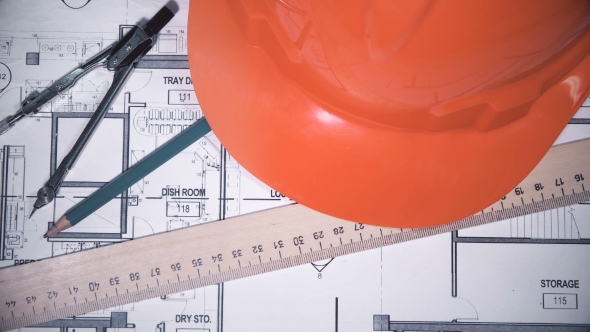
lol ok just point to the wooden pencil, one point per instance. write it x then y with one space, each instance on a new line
126 179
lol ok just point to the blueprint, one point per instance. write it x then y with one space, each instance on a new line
480 279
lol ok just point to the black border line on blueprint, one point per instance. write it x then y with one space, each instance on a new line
115 321
55 116
382 323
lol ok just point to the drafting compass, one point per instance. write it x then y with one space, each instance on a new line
118 58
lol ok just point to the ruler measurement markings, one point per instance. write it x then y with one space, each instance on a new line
227 273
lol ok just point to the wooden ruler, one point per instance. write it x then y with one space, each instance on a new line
248 245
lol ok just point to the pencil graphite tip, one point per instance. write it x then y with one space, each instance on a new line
34 209
60 225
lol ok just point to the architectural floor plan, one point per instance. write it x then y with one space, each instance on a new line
530 271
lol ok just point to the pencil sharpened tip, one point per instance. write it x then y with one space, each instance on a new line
59 226
34 209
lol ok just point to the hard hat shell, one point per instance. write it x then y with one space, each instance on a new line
392 113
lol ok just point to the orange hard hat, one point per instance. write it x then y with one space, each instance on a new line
393 113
